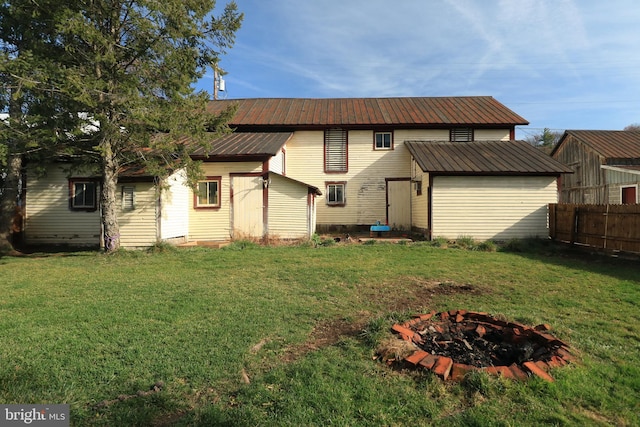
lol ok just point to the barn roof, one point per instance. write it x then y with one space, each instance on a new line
299 113
613 145
483 158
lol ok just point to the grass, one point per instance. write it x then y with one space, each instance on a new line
251 335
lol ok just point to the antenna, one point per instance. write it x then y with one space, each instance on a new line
218 82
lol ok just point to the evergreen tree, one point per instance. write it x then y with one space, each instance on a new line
109 83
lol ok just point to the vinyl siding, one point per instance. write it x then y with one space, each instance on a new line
138 227
491 135
368 168
175 202
492 207
215 224
48 219
288 209
419 204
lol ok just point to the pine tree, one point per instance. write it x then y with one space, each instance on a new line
109 82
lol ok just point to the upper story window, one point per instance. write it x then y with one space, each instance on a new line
461 134
335 150
383 140
208 195
83 194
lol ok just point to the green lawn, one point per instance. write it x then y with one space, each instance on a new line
250 335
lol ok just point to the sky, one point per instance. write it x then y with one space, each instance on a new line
560 64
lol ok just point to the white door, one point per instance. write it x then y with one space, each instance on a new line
399 204
248 220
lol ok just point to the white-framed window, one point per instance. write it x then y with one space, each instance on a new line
383 140
83 194
128 198
336 194
208 194
335 150
461 134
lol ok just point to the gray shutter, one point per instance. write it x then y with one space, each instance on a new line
335 150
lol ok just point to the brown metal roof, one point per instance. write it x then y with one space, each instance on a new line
255 144
483 158
418 111
611 144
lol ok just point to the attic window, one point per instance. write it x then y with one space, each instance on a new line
335 150
83 194
461 134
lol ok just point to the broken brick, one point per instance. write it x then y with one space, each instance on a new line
429 361
442 367
535 370
459 370
416 357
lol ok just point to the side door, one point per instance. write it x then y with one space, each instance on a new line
247 216
399 203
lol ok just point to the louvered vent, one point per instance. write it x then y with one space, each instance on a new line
335 150
462 134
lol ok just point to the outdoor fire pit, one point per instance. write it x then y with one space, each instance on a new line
452 343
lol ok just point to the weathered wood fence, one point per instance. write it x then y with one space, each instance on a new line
609 227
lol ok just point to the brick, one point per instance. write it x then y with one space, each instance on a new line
542 365
459 370
542 327
565 354
459 318
444 315
452 312
498 370
535 370
427 316
556 362
416 357
442 367
518 373
429 361
402 330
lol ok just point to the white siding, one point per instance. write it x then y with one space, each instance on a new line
174 221
288 209
138 227
215 224
419 203
277 162
492 207
491 135
368 168
48 219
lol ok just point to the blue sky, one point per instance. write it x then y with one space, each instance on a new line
561 64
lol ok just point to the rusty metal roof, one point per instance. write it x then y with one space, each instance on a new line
246 144
613 145
483 158
353 112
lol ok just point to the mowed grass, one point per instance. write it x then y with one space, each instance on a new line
251 335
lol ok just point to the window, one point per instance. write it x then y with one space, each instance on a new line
461 134
383 140
335 150
336 193
128 198
418 185
83 194
208 195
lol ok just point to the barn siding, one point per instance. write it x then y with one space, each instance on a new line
138 227
215 224
48 219
288 209
492 207
588 182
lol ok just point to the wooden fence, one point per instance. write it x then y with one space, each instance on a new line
609 227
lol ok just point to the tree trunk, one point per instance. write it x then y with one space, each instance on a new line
9 204
108 200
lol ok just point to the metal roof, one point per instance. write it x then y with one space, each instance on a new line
256 144
483 158
346 112
611 144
